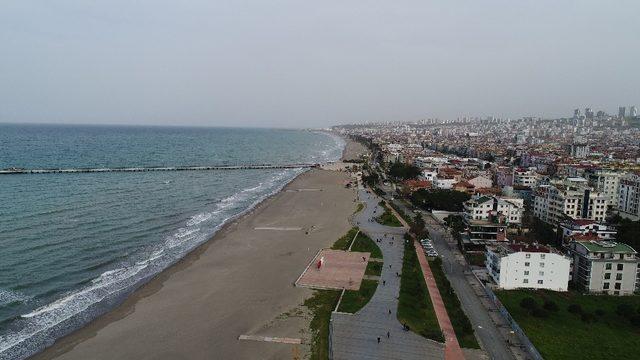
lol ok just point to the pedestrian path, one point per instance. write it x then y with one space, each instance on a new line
375 332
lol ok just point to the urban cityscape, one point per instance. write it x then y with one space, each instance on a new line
543 213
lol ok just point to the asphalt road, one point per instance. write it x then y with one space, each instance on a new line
493 342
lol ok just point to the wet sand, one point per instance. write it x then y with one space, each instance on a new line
239 282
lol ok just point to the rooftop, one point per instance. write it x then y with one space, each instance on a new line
607 246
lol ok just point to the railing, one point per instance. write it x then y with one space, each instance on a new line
524 340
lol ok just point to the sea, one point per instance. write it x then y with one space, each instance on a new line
75 245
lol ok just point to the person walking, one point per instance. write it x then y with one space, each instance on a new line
378 339
388 334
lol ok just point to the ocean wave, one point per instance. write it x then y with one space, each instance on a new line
41 326
10 296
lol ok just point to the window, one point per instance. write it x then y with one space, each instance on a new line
618 286
525 281
526 272
607 266
542 256
618 276
526 264
528 256
607 276
620 267
541 264
540 282
541 273
605 286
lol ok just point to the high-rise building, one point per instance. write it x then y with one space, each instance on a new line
629 196
633 112
622 112
588 113
571 198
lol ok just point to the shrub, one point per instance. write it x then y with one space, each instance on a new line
600 312
625 310
635 320
574 309
550 306
540 313
528 303
588 318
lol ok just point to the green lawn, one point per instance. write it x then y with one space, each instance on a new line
352 301
414 306
344 242
321 304
461 324
388 219
359 208
373 268
563 335
363 243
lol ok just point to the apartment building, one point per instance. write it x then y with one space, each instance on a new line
487 217
629 196
606 182
516 266
586 229
605 267
571 198
525 177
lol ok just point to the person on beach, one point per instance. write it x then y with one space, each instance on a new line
378 339
388 335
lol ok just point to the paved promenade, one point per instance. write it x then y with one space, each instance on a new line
355 336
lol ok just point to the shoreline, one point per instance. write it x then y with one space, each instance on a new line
64 346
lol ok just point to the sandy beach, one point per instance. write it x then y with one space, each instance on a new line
240 282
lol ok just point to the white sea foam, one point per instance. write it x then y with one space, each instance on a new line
40 323
8 296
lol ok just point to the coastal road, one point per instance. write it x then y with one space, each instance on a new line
355 336
486 330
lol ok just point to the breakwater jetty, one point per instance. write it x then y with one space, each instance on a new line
20 171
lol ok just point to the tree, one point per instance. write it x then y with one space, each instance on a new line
418 225
574 309
528 303
402 171
439 199
625 310
550 306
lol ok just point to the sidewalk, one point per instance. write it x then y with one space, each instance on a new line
452 350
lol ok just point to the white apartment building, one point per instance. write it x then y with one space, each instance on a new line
487 217
629 196
571 198
516 266
429 174
586 229
444 183
481 182
488 208
606 182
525 177
605 267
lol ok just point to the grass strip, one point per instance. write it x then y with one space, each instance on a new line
363 243
344 242
414 306
461 324
352 301
321 304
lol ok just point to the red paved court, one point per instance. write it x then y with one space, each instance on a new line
340 270
452 350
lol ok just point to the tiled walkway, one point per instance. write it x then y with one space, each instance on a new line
355 336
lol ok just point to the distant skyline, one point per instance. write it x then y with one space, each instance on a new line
299 64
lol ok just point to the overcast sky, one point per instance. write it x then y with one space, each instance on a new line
293 63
